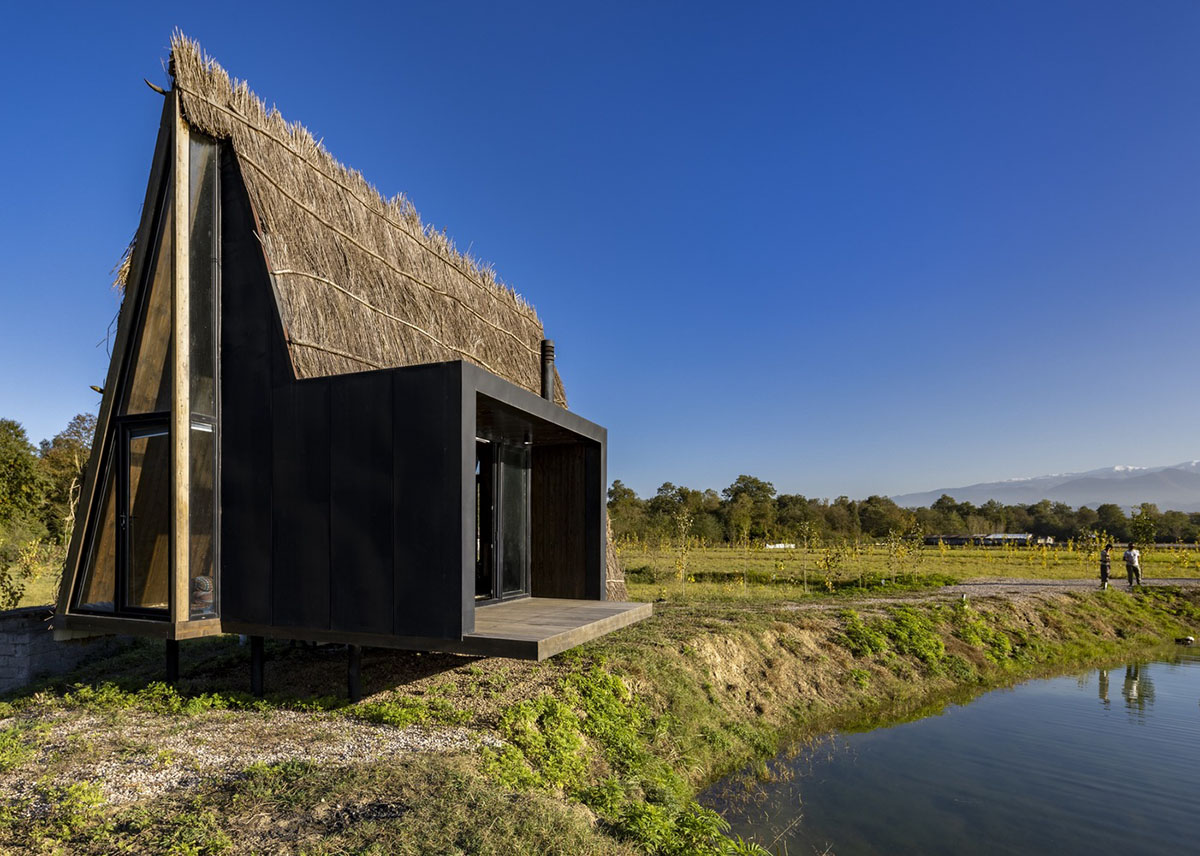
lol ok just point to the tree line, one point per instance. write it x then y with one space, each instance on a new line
39 489
751 510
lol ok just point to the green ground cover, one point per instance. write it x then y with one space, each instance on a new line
599 750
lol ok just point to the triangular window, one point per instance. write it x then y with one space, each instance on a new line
130 535
149 388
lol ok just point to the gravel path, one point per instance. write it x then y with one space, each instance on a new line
993 586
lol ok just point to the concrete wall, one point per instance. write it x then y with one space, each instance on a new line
28 649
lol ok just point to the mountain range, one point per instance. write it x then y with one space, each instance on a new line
1175 487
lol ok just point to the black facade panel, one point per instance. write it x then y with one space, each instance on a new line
250 341
594 493
300 555
428 469
559 530
361 496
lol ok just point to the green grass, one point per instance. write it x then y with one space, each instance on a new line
42 590
603 747
673 573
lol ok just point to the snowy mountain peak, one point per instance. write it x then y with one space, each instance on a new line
1174 487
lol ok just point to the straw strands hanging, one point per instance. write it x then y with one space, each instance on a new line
361 282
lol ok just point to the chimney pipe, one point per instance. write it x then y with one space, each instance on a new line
548 369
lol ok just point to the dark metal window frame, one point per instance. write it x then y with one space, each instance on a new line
129 428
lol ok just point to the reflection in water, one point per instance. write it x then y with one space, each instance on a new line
1138 689
1039 768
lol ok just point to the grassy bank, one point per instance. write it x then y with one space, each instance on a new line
597 751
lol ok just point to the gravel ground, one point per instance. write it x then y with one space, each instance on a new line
144 756
994 586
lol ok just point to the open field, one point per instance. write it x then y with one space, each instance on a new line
673 572
41 590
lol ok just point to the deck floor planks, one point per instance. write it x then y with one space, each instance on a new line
538 627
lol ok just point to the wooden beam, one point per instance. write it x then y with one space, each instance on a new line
122 625
180 377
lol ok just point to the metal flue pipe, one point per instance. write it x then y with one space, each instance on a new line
548 369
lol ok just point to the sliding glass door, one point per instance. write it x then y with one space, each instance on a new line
501 521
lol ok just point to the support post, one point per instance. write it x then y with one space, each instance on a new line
172 660
354 672
256 665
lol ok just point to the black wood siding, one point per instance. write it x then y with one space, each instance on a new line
361 503
301 504
342 496
428 492
347 501
250 342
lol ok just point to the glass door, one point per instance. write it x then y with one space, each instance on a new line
501 521
514 521
485 522
144 517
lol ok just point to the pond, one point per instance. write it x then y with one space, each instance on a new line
1107 761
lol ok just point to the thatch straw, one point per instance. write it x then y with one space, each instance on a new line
361 282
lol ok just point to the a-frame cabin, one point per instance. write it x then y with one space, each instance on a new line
322 422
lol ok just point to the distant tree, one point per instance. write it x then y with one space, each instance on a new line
878 515
943 518
1045 520
1018 518
739 515
841 517
62 461
22 485
756 489
761 496
1174 526
1086 520
626 512
793 513
994 513
1111 519
1143 526
619 493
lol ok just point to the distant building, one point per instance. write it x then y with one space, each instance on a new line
997 539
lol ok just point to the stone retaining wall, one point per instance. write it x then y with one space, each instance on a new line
28 649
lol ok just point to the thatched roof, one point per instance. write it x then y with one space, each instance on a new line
360 281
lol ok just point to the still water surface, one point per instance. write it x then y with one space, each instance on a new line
1107 761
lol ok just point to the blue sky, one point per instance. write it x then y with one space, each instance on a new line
848 247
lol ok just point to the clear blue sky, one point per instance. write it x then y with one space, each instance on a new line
849 247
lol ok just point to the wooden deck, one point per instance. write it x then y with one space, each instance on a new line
535 628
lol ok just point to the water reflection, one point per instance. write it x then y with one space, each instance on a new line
1138 689
1038 768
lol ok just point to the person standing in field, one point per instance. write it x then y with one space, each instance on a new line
1105 566
1133 568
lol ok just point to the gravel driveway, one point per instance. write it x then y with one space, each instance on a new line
992 586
